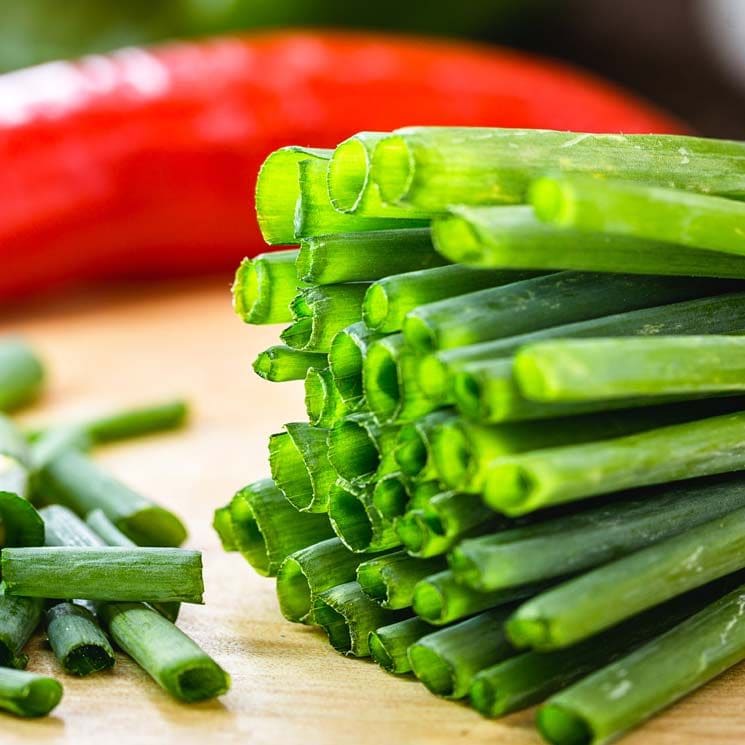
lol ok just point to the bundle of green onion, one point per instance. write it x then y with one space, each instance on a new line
87 555
520 474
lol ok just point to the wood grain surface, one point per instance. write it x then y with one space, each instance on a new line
139 344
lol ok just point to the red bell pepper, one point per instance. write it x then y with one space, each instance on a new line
142 162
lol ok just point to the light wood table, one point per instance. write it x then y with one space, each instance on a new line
141 344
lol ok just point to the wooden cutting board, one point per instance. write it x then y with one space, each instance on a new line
134 345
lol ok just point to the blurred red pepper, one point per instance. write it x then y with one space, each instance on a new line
142 162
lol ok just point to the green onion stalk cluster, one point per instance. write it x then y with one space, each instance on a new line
520 474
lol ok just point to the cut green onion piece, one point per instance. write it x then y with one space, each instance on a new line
345 358
28 694
265 286
390 579
77 640
300 466
389 300
433 528
391 496
323 402
606 704
641 211
321 312
19 618
278 191
348 616
75 481
447 660
355 257
615 591
549 300
21 374
15 459
356 520
281 363
439 599
389 644
109 573
315 215
522 483
170 657
359 449
267 528
432 168
305 574
567 544
414 449
596 369
222 522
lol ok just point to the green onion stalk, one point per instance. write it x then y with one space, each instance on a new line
514 238
646 211
346 357
19 618
361 450
21 374
613 592
298 459
549 300
305 574
321 312
431 168
601 707
414 449
389 645
567 544
390 579
362 257
266 528
447 660
281 363
28 694
348 616
323 404
265 286
392 495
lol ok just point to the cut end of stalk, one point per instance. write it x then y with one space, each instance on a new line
88 658
452 454
246 292
484 697
263 365
382 386
335 626
527 632
467 394
345 361
550 201
289 471
508 488
419 336
39 697
410 530
348 175
392 168
349 519
299 334
457 241
352 452
411 453
293 591
432 670
562 727
465 569
247 536
433 378
198 681
375 306
371 582
379 653
153 526
428 602
315 395
390 497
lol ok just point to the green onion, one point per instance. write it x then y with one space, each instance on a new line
75 481
77 640
414 449
323 402
641 211
315 215
389 299
19 618
266 528
447 660
345 358
265 286
391 495
28 694
281 363
321 312
514 238
348 616
222 522
359 449
525 482
390 579
432 168
447 517
170 657
15 459
566 544
440 599
300 466
606 704
112 536
355 257
108 573
389 644
587 370
21 374
356 520
615 591
278 191
305 574
549 300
